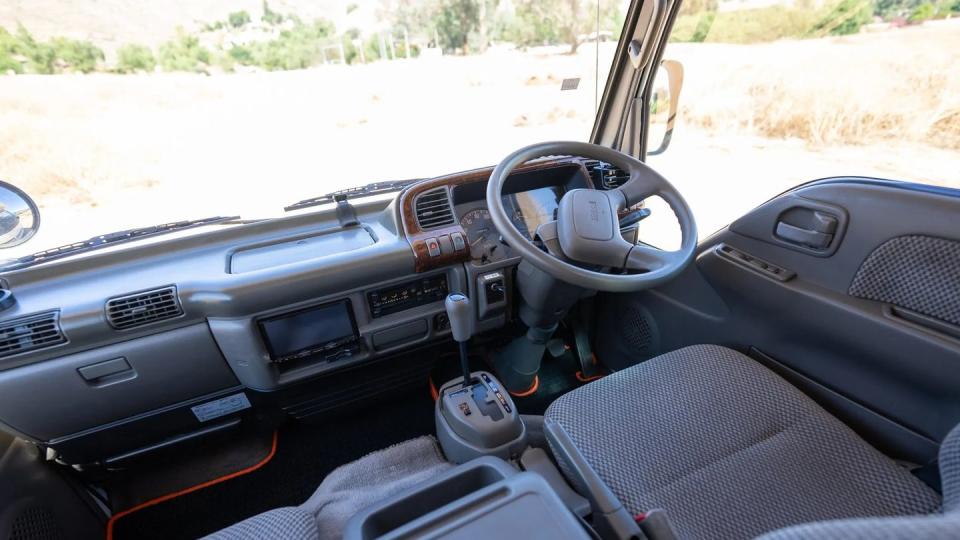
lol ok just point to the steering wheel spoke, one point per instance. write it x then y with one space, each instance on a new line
647 258
549 238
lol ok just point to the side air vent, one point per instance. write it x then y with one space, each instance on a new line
605 175
143 308
30 333
433 209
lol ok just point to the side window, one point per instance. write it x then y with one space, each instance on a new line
777 93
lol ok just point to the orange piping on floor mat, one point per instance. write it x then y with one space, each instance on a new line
583 378
529 391
433 389
208 483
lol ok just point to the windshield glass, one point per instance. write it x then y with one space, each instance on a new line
121 115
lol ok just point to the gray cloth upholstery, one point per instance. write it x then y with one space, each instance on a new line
291 523
344 492
933 527
728 448
916 272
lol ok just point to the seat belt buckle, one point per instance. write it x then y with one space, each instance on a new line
655 524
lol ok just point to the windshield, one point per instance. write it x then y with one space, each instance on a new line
116 116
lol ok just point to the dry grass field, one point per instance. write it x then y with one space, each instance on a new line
102 152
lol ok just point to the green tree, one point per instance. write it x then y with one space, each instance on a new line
238 19
269 16
454 21
132 58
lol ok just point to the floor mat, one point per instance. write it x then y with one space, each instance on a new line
305 455
208 460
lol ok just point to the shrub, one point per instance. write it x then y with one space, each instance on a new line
8 49
744 26
238 19
80 56
297 48
184 53
844 18
922 13
242 54
132 58
40 56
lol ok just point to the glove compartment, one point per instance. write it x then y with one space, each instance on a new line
81 392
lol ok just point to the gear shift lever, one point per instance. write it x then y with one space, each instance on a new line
474 416
461 325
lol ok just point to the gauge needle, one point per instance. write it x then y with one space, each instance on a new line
478 240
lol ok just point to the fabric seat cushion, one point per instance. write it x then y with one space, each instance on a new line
728 448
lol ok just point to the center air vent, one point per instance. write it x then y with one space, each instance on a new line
433 209
30 333
143 308
605 175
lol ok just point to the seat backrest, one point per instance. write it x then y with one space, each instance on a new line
940 526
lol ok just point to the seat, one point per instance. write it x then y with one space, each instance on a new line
730 450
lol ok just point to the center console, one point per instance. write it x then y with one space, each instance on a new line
485 498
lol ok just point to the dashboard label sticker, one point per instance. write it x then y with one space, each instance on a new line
221 407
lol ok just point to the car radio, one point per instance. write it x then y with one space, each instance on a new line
407 295
327 332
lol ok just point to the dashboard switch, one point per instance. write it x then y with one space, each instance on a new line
459 244
492 294
446 246
433 247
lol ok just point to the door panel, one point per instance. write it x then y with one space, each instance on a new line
866 321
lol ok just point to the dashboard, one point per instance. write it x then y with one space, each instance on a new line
116 351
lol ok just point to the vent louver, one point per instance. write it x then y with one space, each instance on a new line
30 333
433 209
143 308
605 175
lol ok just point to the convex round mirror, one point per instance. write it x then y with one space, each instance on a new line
19 216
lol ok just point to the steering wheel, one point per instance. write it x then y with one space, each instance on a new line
587 228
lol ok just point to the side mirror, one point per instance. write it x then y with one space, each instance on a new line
19 216
663 105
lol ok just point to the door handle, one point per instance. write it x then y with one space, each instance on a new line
810 228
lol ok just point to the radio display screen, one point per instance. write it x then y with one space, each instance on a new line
311 330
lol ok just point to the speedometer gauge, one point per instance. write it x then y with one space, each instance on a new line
482 236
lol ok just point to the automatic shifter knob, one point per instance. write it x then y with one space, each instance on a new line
461 326
461 319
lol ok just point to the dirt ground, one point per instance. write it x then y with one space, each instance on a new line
105 152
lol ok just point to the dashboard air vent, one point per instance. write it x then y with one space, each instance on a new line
605 175
143 308
433 209
30 333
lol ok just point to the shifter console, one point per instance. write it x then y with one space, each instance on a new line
478 420
474 414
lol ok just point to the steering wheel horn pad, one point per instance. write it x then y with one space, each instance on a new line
587 228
